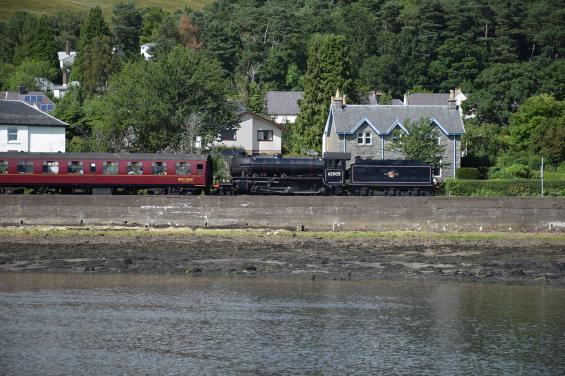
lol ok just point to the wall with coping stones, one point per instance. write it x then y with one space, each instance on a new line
310 213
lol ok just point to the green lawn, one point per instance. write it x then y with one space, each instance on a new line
39 7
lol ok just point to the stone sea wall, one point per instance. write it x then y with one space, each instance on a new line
302 213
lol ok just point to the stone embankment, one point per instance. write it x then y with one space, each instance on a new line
302 213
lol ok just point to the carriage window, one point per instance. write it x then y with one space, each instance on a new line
75 167
199 169
92 168
436 170
264 135
135 168
25 167
3 167
110 168
183 168
51 167
159 168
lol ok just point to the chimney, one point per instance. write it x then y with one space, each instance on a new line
451 101
22 90
338 101
378 95
67 48
406 99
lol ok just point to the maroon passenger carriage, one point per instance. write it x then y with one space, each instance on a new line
105 173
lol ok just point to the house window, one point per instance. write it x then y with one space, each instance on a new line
264 135
75 167
12 134
110 168
3 167
183 168
229 135
50 167
159 168
360 138
368 138
135 168
437 170
25 167
46 107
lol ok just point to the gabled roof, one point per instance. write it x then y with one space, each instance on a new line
383 118
21 113
260 116
283 102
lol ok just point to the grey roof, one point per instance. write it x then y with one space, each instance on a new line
21 113
383 118
427 99
283 102
372 99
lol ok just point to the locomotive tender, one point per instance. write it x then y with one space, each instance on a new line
107 173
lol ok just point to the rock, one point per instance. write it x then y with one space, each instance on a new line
250 268
128 261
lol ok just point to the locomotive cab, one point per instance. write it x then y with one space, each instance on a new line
335 171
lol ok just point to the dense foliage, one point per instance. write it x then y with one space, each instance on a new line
506 187
499 53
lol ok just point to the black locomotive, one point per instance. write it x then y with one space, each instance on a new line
328 175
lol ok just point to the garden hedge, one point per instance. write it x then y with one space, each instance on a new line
504 187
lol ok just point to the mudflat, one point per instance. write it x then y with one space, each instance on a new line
478 257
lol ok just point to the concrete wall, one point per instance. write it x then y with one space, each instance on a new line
314 213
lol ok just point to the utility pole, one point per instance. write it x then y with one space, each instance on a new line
541 175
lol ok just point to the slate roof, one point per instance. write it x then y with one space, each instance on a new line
383 118
21 113
283 102
16 96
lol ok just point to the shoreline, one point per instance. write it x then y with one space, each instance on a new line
366 255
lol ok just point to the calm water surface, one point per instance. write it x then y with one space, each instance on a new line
159 325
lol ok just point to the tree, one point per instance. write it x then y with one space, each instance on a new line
42 46
538 127
28 71
148 102
66 25
126 24
420 143
328 70
94 63
188 33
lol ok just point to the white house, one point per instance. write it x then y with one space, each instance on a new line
256 134
25 128
145 50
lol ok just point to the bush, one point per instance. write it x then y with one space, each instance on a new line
502 188
468 173
516 170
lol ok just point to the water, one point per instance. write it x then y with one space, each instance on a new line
159 325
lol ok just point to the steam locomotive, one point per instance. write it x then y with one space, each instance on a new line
123 173
328 175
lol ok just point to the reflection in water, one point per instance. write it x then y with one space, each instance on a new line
108 324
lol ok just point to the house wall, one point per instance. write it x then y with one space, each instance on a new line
33 139
380 149
246 136
266 147
46 139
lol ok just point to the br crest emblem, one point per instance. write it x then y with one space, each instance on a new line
392 174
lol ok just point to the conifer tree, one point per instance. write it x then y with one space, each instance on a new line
328 69
94 63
